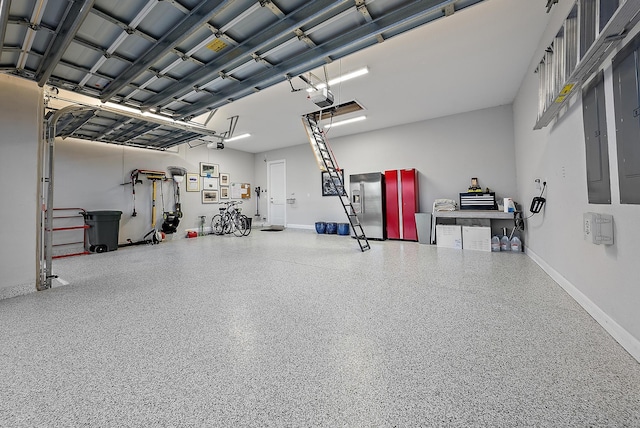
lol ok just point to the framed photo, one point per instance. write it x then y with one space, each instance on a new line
210 196
209 169
209 183
193 182
224 179
328 188
224 192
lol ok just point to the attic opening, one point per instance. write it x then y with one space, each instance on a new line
335 111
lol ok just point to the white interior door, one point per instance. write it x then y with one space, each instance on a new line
276 192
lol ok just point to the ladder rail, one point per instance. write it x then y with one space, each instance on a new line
326 162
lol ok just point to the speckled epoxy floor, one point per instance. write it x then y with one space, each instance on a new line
296 329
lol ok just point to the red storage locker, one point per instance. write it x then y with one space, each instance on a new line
402 203
392 184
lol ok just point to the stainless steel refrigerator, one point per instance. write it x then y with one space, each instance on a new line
368 200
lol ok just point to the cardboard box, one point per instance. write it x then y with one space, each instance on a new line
449 236
476 238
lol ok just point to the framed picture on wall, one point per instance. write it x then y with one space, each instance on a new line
224 192
224 179
209 183
193 182
209 169
210 196
329 189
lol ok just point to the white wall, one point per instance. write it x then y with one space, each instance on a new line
447 152
20 117
604 279
90 176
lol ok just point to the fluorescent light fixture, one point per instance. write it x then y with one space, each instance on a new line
345 122
127 109
157 116
122 108
344 77
237 137
349 76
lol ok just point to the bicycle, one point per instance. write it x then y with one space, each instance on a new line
230 220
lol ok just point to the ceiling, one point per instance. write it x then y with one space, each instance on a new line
199 62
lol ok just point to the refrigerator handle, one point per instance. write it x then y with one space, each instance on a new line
362 199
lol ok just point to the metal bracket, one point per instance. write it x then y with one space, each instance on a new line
257 58
449 9
272 7
304 38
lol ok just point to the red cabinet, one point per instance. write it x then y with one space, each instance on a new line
402 203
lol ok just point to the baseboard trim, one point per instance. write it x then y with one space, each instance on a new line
622 336
301 226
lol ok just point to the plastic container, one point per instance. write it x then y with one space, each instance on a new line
102 234
516 245
344 228
509 206
321 226
495 243
332 228
505 245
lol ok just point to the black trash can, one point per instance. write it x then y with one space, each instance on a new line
102 234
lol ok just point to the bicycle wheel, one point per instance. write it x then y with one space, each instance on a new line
228 223
247 230
217 225
240 225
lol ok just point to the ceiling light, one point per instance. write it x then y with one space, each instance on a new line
346 121
127 109
157 116
349 76
344 77
122 108
238 137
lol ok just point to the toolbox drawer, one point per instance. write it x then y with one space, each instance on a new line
478 201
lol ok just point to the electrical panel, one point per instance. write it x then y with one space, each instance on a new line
598 228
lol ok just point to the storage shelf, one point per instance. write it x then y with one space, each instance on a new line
468 214
487 214
624 18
